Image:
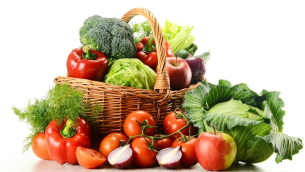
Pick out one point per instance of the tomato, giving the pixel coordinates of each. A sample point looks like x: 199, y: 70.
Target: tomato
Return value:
x: 111, y: 142
x: 188, y: 151
x: 131, y: 127
x: 164, y: 143
x: 143, y: 157
x: 89, y: 158
x: 39, y: 146
x: 171, y: 124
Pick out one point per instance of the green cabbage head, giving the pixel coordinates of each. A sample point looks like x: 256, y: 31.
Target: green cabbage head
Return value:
x: 255, y: 121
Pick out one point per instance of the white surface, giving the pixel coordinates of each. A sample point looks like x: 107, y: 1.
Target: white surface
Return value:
x: 260, y: 43
x: 28, y: 162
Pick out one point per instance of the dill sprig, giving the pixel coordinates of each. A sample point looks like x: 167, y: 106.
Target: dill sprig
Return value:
x: 36, y: 115
x: 61, y: 102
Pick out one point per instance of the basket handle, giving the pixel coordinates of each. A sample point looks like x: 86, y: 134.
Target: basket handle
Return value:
x: 162, y: 78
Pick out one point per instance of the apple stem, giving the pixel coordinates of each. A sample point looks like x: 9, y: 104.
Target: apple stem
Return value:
x: 214, y: 129
x: 176, y: 60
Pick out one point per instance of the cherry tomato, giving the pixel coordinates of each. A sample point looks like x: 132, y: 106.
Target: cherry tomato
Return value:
x: 111, y: 142
x: 171, y: 124
x: 89, y: 158
x: 39, y: 146
x: 164, y: 143
x: 188, y: 151
x: 131, y: 127
x: 143, y: 157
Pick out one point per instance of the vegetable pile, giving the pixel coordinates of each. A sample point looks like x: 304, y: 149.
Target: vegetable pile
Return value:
x: 217, y: 125
x: 110, y: 48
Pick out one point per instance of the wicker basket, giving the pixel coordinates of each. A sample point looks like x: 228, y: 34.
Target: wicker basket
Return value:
x: 119, y: 101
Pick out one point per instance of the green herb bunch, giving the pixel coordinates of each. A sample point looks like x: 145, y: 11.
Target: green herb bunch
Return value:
x: 61, y: 102
x: 140, y: 30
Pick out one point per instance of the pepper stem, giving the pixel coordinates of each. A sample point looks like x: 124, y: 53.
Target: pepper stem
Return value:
x: 87, y: 53
x: 68, y: 130
x: 149, y: 45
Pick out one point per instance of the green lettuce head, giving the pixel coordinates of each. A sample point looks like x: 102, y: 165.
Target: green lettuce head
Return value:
x: 131, y: 73
x: 254, y: 121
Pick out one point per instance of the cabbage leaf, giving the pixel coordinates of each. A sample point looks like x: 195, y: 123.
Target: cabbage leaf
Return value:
x: 255, y: 121
x: 131, y: 73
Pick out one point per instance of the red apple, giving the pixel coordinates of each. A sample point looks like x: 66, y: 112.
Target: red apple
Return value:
x: 215, y: 151
x: 179, y: 72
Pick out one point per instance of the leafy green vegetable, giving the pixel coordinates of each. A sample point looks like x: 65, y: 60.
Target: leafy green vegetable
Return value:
x: 183, y: 54
x: 255, y: 121
x: 178, y: 37
x: 61, y: 102
x: 140, y: 30
x: 131, y: 73
x: 205, y: 56
x: 108, y: 35
x: 192, y: 48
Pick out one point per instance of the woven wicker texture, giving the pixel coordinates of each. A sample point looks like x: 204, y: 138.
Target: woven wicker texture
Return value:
x: 118, y: 101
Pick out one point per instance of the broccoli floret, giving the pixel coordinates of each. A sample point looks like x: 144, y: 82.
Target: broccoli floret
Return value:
x: 191, y: 48
x: 111, y: 36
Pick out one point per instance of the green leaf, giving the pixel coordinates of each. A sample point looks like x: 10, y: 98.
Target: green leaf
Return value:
x: 223, y: 92
x: 285, y: 146
x: 258, y: 151
x: 231, y: 107
x: 276, y: 105
x: 205, y: 56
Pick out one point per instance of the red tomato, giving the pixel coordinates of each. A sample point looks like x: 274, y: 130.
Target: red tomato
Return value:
x: 89, y: 158
x: 111, y: 142
x: 188, y: 151
x: 164, y: 143
x: 132, y: 128
x: 143, y: 157
x: 171, y: 124
x: 39, y: 147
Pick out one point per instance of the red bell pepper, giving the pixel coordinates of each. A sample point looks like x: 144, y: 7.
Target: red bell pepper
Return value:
x: 147, y: 52
x: 62, y: 140
x: 90, y: 64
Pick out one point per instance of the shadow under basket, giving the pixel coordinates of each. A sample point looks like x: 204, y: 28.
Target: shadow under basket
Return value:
x: 119, y: 101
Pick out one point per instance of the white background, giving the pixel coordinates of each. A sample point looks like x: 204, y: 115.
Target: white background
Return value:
x: 260, y: 43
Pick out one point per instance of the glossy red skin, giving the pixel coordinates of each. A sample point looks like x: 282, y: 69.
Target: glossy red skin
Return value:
x: 164, y: 143
x: 180, y: 76
x: 142, y: 157
x: 151, y: 59
x: 111, y: 142
x: 172, y: 124
x: 211, y: 150
x: 63, y: 150
x: 39, y: 146
x: 87, y: 69
x: 132, y: 128
x: 188, y: 151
